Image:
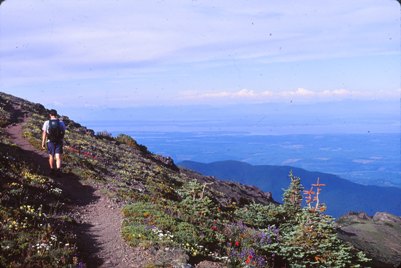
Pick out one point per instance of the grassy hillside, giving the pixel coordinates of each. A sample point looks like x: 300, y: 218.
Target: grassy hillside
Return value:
x: 165, y: 208
x: 35, y: 227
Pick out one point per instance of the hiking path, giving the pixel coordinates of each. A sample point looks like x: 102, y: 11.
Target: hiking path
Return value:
x: 98, y: 219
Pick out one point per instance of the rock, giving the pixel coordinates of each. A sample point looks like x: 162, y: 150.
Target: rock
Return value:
x: 226, y: 193
x: 363, y: 216
x: 166, y: 161
x: 170, y: 258
x: 386, y: 217
x: 210, y: 264
x: 379, y: 237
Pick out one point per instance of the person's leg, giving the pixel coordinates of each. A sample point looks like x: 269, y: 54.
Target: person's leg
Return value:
x: 51, y: 161
x: 59, y: 153
x: 58, y: 161
x: 50, y: 150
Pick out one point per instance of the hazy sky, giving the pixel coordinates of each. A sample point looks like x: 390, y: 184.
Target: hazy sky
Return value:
x: 141, y: 53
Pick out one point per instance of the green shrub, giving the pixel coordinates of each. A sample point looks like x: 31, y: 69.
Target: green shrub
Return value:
x: 260, y: 216
x: 186, y: 233
x: 105, y: 135
x: 126, y: 139
x: 147, y: 224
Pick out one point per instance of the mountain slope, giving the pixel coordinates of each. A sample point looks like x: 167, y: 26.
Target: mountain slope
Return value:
x: 102, y: 175
x: 340, y: 195
x: 168, y: 216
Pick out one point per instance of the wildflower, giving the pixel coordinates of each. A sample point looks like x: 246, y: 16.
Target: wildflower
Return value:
x: 237, y: 243
x: 317, y: 258
x: 249, y: 259
x: 56, y: 190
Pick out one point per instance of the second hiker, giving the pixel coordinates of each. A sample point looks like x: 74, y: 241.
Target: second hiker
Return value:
x: 53, y: 134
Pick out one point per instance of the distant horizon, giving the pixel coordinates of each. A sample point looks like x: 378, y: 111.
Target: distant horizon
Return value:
x: 148, y: 129
x: 294, y: 118
x: 263, y: 118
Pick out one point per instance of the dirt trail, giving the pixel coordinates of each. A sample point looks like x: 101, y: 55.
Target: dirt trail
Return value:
x: 99, y: 228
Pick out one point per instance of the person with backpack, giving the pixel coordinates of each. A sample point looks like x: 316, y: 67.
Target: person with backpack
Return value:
x: 53, y: 134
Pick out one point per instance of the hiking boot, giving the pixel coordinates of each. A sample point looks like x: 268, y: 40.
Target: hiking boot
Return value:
x: 52, y: 172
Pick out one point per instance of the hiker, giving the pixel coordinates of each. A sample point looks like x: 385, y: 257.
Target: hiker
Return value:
x: 53, y: 134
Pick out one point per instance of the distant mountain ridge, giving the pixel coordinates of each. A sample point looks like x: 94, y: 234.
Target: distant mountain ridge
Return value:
x: 340, y: 195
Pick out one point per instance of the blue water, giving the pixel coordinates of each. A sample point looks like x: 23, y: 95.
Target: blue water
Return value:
x: 369, y: 159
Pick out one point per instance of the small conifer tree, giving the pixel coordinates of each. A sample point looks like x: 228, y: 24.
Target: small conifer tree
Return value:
x: 292, y: 197
x: 309, y: 237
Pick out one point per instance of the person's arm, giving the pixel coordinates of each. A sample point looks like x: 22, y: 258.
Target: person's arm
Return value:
x: 44, y: 135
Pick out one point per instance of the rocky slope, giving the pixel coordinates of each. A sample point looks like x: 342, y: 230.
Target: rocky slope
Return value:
x: 379, y: 236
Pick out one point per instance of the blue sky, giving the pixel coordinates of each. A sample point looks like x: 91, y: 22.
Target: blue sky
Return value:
x: 108, y: 54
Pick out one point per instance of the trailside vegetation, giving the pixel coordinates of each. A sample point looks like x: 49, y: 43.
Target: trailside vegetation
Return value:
x: 34, y: 223
x: 255, y: 235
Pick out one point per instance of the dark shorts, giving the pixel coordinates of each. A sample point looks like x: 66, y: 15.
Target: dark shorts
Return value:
x: 54, y: 148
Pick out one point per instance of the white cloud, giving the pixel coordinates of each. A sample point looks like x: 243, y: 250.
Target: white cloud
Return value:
x: 297, y: 94
x: 336, y: 92
x: 243, y: 93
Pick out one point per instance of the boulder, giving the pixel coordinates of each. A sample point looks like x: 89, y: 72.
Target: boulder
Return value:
x: 384, y: 217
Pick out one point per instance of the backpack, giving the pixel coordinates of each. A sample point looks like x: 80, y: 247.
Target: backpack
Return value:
x: 56, y: 131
